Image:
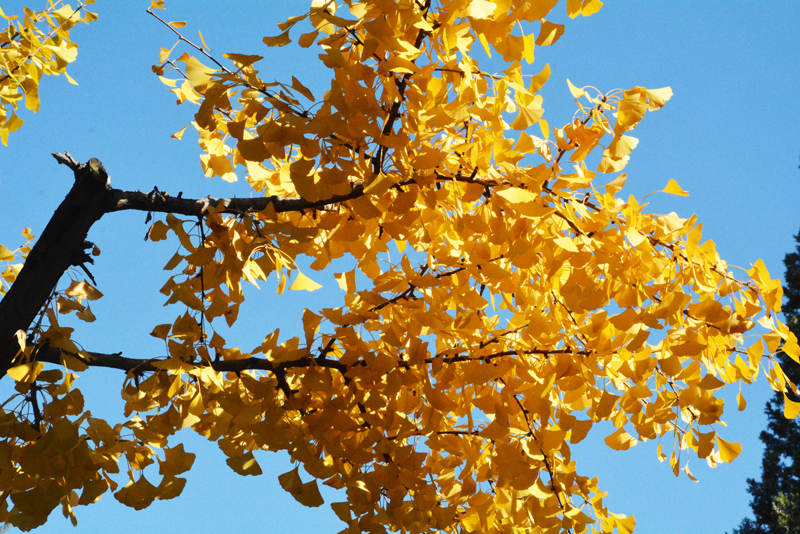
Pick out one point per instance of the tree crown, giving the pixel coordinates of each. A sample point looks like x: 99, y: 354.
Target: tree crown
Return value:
x: 528, y: 303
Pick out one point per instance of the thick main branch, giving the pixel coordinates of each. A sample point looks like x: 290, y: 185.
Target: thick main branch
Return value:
x: 59, y: 247
x: 163, y: 203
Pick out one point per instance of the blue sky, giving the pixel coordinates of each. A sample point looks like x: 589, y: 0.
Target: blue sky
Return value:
x: 727, y: 136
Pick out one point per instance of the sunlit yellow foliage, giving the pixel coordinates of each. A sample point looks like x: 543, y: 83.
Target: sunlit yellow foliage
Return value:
x: 11, y: 261
x: 30, y: 48
x: 503, y: 300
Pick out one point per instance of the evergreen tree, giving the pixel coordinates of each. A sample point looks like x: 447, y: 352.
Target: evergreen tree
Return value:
x: 776, y: 497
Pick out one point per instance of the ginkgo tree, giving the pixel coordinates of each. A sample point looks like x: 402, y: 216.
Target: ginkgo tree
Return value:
x: 529, y: 304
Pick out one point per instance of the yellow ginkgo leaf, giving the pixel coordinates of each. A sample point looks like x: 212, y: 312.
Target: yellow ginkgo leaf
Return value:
x: 741, y: 402
x: 245, y: 464
x: 179, y: 134
x: 279, y: 40
x: 86, y: 315
x: 566, y: 243
x: 658, y: 97
x: 347, y: 281
x: 429, y: 157
x: 6, y: 16
x: 516, y: 195
x: 26, y: 372
x: 82, y: 290
x: 550, y: 33
x: 614, y: 186
x: 307, y: 39
x: 138, y: 495
x: 576, y: 92
x: 585, y: 8
x: 304, y: 283
x: 309, y: 495
x: 689, y: 473
x: 481, y: 9
x: 170, y: 488
x: 622, y: 145
x: 528, y: 115
x: 728, y: 451
x: 674, y: 189
x: 306, y: 494
x: 379, y: 185
x: 302, y: 89
x: 176, y: 461
x: 790, y: 408
x: 620, y: 440
x: 623, y: 524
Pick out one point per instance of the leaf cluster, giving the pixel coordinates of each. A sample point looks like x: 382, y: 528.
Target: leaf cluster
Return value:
x: 37, y: 46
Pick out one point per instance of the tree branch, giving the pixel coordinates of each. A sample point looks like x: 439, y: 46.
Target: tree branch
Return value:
x: 163, y: 203
x: 138, y: 366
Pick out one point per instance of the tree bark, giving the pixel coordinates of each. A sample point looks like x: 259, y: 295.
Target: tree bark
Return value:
x: 163, y: 203
x: 58, y: 248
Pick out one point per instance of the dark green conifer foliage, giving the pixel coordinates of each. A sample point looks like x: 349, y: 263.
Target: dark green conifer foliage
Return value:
x: 776, y: 497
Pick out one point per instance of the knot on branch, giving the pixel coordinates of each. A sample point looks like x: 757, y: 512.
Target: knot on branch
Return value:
x: 91, y: 174
x: 156, y: 195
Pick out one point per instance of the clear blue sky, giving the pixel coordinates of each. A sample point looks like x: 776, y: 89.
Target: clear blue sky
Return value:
x: 727, y: 136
